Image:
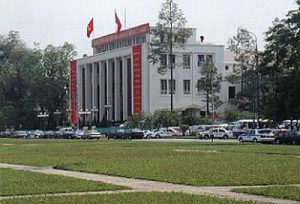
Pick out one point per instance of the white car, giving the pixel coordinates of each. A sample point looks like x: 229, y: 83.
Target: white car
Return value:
x: 218, y: 133
x: 258, y: 135
x: 163, y: 132
x: 94, y: 134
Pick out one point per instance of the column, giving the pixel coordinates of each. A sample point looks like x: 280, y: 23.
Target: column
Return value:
x: 125, y: 98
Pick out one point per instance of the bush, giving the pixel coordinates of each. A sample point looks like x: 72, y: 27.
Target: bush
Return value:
x: 184, y: 128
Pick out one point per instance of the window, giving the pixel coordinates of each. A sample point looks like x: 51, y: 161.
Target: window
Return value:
x: 198, y: 86
x: 172, y: 59
x: 172, y: 86
x: 209, y: 58
x: 163, y: 60
x: 200, y: 60
x: 163, y: 86
x: 231, y: 92
x: 186, y: 86
x: 186, y: 61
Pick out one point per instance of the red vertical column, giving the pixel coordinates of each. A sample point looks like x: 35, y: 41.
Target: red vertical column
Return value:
x: 137, y: 79
x: 73, y: 90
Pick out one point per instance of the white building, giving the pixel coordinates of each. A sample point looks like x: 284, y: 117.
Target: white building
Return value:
x: 118, y: 80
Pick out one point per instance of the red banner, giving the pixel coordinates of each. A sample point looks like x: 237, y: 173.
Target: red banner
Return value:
x: 137, y: 79
x: 73, y: 93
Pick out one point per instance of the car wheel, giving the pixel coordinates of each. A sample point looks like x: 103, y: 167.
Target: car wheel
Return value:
x: 225, y: 137
x: 276, y: 141
x: 206, y: 137
x: 241, y: 139
x: 293, y: 142
x: 254, y: 140
x: 157, y: 136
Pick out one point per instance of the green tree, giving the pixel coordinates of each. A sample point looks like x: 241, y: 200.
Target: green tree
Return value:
x: 282, y: 68
x: 210, y: 84
x: 190, y: 118
x: 166, y: 118
x: 53, y: 81
x: 169, y: 33
x: 17, y: 70
x: 243, y: 47
x: 231, y: 115
x: 32, y: 81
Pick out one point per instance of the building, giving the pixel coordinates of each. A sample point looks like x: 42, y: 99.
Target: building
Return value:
x: 118, y: 81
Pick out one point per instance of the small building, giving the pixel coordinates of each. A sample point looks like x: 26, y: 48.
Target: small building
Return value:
x: 118, y: 80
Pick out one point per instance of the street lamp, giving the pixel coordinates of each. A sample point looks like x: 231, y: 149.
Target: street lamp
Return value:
x: 256, y: 73
x: 86, y: 112
x: 43, y: 116
x: 57, y: 113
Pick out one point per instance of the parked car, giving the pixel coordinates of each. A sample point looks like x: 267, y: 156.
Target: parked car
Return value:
x: 163, y: 132
x: 67, y: 133
x: 49, y: 134
x: 292, y: 137
x: 35, y: 134
x: 79, y: 134
x: 218, y: 133
x: 93, y: 134
x: 147, y: 134
x: 258, y: 135
x: 116, y: 134
x: 134, y: 133
x: 19, y: 134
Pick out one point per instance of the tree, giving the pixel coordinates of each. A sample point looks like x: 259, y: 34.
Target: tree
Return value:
x: 243, y: 47
x: 169, y: 33
x: 210, y: 83
x: 17, y: 66
x: 231, y: 115
x: 32, y: 81
x: 165, y: 118
x: 282, y: 68
x: 52, y: 83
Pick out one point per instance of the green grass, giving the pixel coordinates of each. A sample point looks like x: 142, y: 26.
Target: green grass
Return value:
x: 13, y: 182
x: 202, y: 164
x: 285, y: 192
x: 125, y: 198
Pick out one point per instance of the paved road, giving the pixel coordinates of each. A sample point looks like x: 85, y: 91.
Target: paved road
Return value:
x: 138, y: 185
x: 190, y: 140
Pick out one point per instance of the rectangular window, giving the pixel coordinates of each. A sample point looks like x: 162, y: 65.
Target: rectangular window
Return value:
x: 163, y: 60
x: 209, y: 58
x: 198, y: 86
x: 172, y: 86
x: 200, y: 60
x: 186, y: 86
x: 186, y: 61
x: 231, y: 92
x: 163, y: 86
x: 172, y: 59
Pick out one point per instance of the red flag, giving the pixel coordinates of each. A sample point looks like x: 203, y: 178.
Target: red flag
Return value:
x: 90, y: 28
x: 118, y: 22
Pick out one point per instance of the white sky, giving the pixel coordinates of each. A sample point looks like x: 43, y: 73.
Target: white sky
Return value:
x: 59, y: 21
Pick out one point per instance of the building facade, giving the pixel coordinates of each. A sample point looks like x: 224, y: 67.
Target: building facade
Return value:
x: 118, y: 80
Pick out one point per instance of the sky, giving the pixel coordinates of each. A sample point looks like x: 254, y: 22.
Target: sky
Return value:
x: 58, y: 21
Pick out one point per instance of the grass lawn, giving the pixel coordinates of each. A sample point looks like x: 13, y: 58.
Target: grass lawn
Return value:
x: 202, y: 164
x: 125, y: 198
x: 285, y: 192
x: 13, y: 182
